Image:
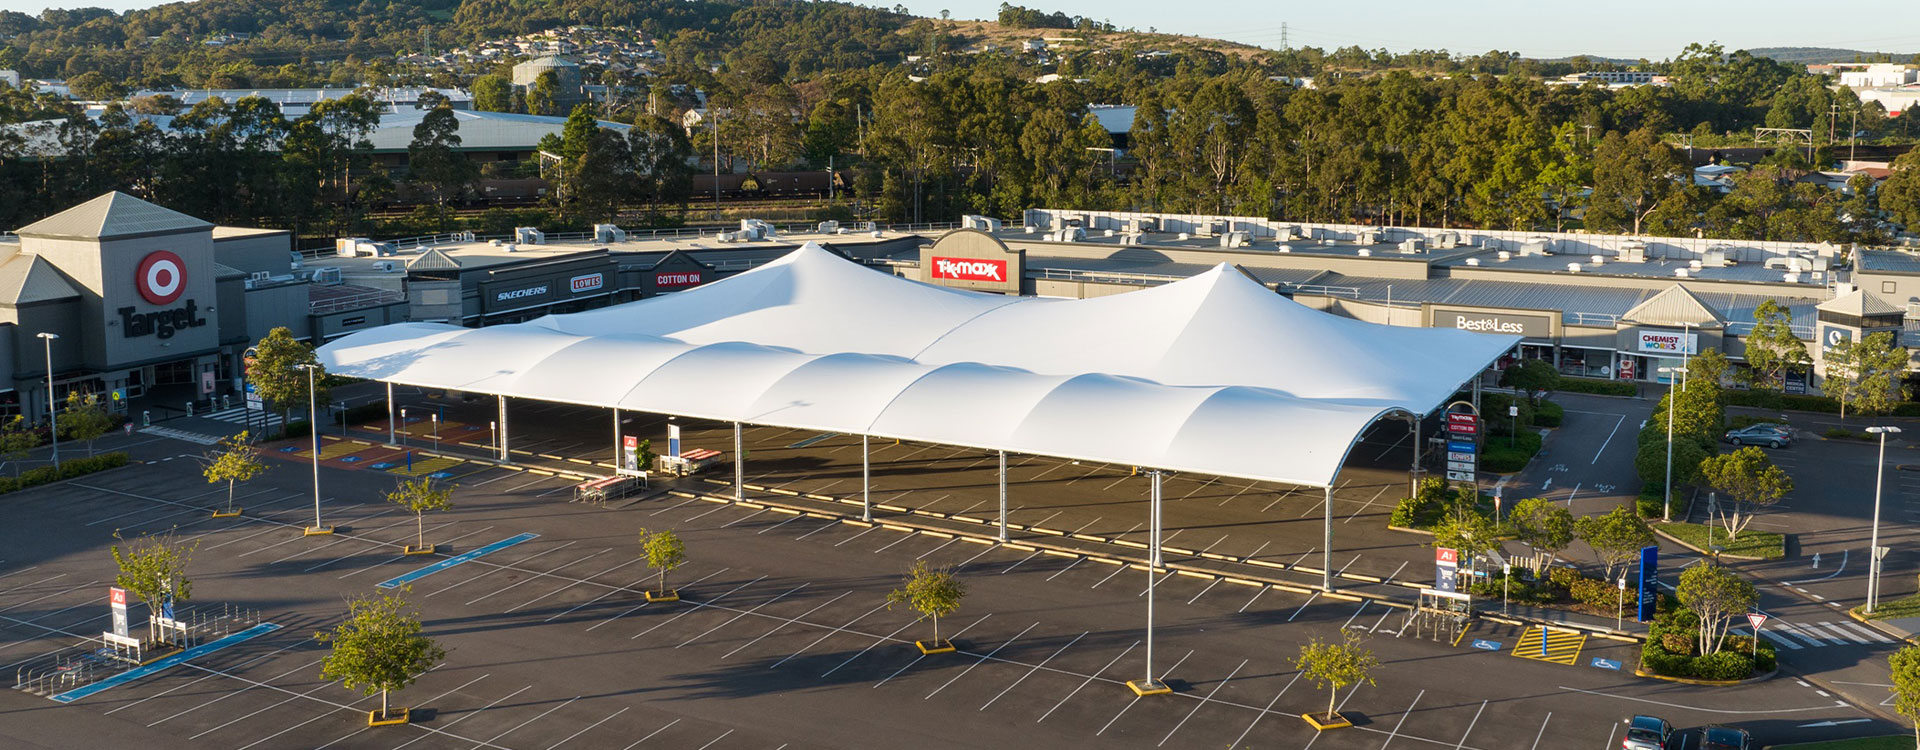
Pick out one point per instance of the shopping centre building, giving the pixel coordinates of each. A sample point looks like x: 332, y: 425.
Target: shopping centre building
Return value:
x: 144, y: 298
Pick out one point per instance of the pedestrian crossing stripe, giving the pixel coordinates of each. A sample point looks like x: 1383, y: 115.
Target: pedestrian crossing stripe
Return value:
x: 1562, y: 646
x: 1817, y: 635
x: 238, y: 415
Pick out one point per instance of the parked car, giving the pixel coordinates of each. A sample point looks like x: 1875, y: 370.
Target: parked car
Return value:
x: 1647, y: 733
x: 1764, y: 433
x: 1725, y: 738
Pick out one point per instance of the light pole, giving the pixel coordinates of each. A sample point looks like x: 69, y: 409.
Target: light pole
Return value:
x: 53, y: 425
x: 1673, y: 394
x: 436, y: 431
x: 314, y: 431
x: 1873, y: 547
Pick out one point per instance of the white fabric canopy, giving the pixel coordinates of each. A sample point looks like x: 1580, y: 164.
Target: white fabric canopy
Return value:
x: 1213, y: 374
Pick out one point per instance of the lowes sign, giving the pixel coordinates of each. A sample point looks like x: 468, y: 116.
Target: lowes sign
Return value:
x: 587, y: 283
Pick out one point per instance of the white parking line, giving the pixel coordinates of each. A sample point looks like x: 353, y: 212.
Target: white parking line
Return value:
x: 988, y: 655
x: 1136, y: 699
x: 855, y: 536
x: 1203, y: 702
x: 829, y: 634
x: 656, y: 626
x: 1076, y: 561
x: 1476, y: 720
x: 1035, y: 553
x: 756, y: 608
x: 1269, y: 709
x: 776, y: 628
x: 723, y: 735
x: 203, y: 678
x: 636, y: 743
x: 1036, y: 668
x: 488, y: 569
x: 575, y: 583
x: 1256, y: 597
x: 636, y: 607
x: 1543, y: 729
x: 1409, y: 712
x: 541, y: 715
x: 1303, y: 606
x: 1088, y: 681
x: 511, y: 586
x: 916, y: 660
x: 224, y: 696
x: 570, y: 737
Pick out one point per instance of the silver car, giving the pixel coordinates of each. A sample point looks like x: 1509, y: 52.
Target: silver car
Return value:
x: 1647, y: 733
x: 1765, y: 433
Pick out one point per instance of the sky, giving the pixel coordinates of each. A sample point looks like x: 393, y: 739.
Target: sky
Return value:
x: 1622, y: 28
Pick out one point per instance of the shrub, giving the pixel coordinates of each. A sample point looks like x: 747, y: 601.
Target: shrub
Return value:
x: 1842, y: 433
x: 1499, y: 457
x: 1600, y: 594
x: 1599, y: 386
x: 69, y: 469
x: 1562, y: 576
x: 1676, y: 642
x: 1723, y: 665
x: 1658, y: 660
x: 294, y: 429
x: 1650, y: 503
x: 1407, y: 513
x: 1548, y: 414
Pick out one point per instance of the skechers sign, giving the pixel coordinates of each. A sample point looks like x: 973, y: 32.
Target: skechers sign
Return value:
x: 160, y: 278
x: 1482, y: 322
x: 520, y: 294
x: 970, y: 269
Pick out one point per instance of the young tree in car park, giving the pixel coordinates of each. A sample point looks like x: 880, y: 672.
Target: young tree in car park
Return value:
x: 663, y: 551
x: 1716, y: 595
x: 276, y: 373
x: 154, y: 569
x: 86, y: 419
x: 1616, y: 538
x: 1773, y: 350
x: 934, y: 593
x: 378, y: 649
x: 232, y: 461
x: 1542, y: 524
x: 1335, y: 665
x: 1750, y: 480
x: 419, y: 496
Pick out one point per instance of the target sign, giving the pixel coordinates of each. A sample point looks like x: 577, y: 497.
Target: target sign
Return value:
x: 161, y: 277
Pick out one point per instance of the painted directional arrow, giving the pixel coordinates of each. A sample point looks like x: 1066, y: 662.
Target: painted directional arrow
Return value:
x: 1832, y: 723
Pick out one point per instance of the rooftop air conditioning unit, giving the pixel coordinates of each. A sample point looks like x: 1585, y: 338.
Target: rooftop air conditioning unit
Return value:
x: 1680, y: 272
x: 1504, y: 255
x: 608, y: 234
x: 829, y: 227
x: 386, y: 266
x: 1633, y: 251
x: 1573, y: 268
x: 1366, y: 237
x: 1366, y: 253
x: 1446, y: 240
x: 724, y: 237
x: 1067, y: 234
x: 529, y: 236
x: 1285, y: 232
x: 1716, y: 256
x: 1473, y: 261
x: 328, y: 275
x: 1537, y: 246
x: 1211, y: 227
x: 348, y: 247
x: 1792, y: 278
x: 1236, y: 239
x: 1415, y: 245
x: 1286, y: 248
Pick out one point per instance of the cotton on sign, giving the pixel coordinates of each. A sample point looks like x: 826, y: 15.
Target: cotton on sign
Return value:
x: 970, y: 270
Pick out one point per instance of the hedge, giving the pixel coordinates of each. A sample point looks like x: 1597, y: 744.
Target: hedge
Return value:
x: 1674, y: 628
x: 294, y: 429
x: 1497, y: 457
x: 1549, y: 414
x: 376, y: 410
x: 1796, y: 402
x: 1603, y: 387
x: 68, y: 469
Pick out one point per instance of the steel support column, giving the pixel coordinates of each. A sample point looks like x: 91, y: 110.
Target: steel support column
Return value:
x: 506, y: 456
x: 739, y: 467
x: 866, y: 482
x: 1003, y: 496
x: 619, y: 451
x: 1148, y: 684
x: 392, y: 425
x: 1326, y: 541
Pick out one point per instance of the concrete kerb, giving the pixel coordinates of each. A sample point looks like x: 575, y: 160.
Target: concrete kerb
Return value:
x: 1883, y: 627
x: 1638, y: 672
x: 1041, y: 545
x: 1723, y: 555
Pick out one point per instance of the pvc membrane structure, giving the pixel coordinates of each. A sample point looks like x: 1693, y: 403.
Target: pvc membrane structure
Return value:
x: 1213, y: 374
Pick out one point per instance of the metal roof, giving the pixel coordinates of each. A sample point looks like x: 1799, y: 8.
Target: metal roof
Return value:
x: 1676, y: 305
x: 26, y: 279
x: 1890, y: 261
x: 1861, y: 303
x: 110, y: 216
x: 478, y: 131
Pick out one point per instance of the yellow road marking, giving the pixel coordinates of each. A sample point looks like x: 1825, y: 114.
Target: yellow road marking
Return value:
x: 1562, y: 646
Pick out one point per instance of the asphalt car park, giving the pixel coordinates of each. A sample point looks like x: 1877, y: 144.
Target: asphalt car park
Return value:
x: 783, y: 639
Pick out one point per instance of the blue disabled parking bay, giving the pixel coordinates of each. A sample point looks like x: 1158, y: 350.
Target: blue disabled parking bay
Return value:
x: 1485, y: 645
x: 381, y: 465
x: 1606, y: 663
x: 468, y: 556
x: 192, y: 653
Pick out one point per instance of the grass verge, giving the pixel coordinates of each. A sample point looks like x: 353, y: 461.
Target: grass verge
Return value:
x: 1750, y: 543
x: 1907, y: 606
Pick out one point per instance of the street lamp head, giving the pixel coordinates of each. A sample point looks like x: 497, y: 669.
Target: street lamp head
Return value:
x: 1681, y: 370
x: 47, y: 336
x: 1884, y: 430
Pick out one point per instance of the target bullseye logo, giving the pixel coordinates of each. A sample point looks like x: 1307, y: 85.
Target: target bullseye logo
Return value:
x: 161, y: 277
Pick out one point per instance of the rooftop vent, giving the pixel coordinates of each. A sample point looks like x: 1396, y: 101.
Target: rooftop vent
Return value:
x: 1366, y: 237
x: 829, y: 227
x: 1633, y: 251
x: 1415, y: 245
x: 606, y: 234
x: 1573, y: 268
x: 1792, y: 278
x: 529, y: 236
x: 327, y: 275
x: 1680, y: 272
x: 1366, y: 253
x: 1473, y: 261
x: 1598, y: 259
x: 1537, y: 246
x: 1236, y: 239
x: 982, y: 223
x: 1694, y: 264
x: 1504, y: 255
x: 1286, y: 248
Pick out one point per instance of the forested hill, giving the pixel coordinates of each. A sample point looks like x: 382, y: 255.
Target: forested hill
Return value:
x: 1829, y: 55
x: 62, y: 43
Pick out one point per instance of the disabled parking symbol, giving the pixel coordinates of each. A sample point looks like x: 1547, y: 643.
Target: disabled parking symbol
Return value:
x: 350, y: 459
x: 1486, y: 645
x: 289, y: 448
x: 440, y: 475
x: 381, y: 465
x: 1606, y: 663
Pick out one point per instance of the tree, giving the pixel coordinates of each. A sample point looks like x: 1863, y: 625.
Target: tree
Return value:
x: 932, y: 592
x: 232, y: 461
x: 378, y: 649
x: 578, y: 131
x: 1466, y: 529
x: 1773, y: 348
x: 86, y: 419
x: 1616, y: 538
x: 1905, y: 664
x: 492, y: 93
x: 1336, y: 665
x: 419, y: 496
x: 1650, y: 462
x: 1716, y: 595
x: 1750, y: 480
x: 434, y: 161
x: 17, y: 441
x: 154, y: 569
x: 1632, y: 174
x: 1900, y: 193
x: 1531, y: 376
x: 277, y: 375
x: 1542, y: 524
x: 663, y: 551
x: 543, y: 95
x: 1866, y: 374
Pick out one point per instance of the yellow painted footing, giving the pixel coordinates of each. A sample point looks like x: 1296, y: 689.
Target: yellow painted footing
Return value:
x: 1145, y: 688
x: 393, y: 718
x: 227, y: 513
x: 317, y: 531
x: 156, y: 652
x: 670, y: 596
x: 412, y: 550
x: 937, y: 647
x: 1336, y: 722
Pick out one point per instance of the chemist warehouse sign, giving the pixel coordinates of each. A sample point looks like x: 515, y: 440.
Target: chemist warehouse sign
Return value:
x: 1670, y: 343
